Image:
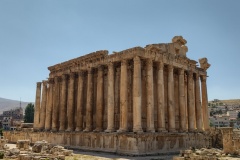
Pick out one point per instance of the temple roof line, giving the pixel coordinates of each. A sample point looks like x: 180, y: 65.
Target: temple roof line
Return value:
x: 170, y: 53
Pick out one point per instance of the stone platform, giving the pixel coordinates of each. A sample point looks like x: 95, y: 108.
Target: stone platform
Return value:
x: 120, y: 143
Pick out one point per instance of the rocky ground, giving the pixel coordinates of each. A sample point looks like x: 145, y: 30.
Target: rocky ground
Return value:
x: 86, y: 155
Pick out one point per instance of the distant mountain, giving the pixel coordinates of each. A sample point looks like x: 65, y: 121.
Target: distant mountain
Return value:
x: 7, y: 104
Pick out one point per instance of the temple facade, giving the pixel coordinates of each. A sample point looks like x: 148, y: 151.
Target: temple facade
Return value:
x: 137, y: 101
x: 151, y: 89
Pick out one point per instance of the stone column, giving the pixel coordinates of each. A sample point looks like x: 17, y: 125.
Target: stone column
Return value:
x: 56, y: 97
x: 137, y: 96
x: 160, y: 90
x: 182, y: 105
x: 43, y: 106
x: 79, y: 123
x: 205, y: 102
x: 99, y: 109
x: 123, y: 98
x: 110, y: 105
x: 198, y: 104
x: 48, y: 121
x: 37, y: 106
x: 89, y: 102
x: 171, y: 108
x: 150, y: 100
x: 63, y: 103
x: 191, y: 108
x: 70, y: 102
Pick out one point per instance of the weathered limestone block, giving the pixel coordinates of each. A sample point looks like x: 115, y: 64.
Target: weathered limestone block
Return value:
x: 23, y: 144
x: 27, y: 125
x: 39, y: 146
x: 3, y: 143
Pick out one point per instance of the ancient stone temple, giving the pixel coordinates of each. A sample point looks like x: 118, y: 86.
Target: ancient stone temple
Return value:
x: 136, y: 101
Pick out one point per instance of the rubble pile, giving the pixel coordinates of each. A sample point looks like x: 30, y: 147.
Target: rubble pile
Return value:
x: 39, y: 151
x: 203, y: 154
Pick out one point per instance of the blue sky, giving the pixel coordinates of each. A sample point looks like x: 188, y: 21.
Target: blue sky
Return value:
x: 40, y: 33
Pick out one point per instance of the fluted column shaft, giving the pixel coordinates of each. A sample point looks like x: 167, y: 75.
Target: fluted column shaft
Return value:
x: 79, y: 123
x: 198, y: 104
x: 37, y: 106
x: 137, y: 96
x: 110, y: 105
x: 99, y: 110
x: 55, y: 116
x: 150, y: 101
x: 171, y: 107
x: 48, y: 122
x: 63, y: 103
x: 89, y: 102
x: 70, y: 102
x: 123, y: 98
x: 191, y: 106
x: 205, y: 102
x: 43, y: 106
x: 182, y: 104
x: 161, y: 102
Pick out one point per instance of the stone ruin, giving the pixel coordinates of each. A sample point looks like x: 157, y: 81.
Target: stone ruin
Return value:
x: 39, y: 151
x: 138, y: 101
x: 227, y: 147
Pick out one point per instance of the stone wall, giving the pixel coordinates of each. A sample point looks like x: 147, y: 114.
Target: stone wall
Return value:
x: 121, y: 143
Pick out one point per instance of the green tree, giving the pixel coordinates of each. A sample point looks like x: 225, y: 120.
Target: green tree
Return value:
x: 29, y: 113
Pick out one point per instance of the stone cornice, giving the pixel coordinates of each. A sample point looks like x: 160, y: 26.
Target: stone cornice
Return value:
x: 167, y: 53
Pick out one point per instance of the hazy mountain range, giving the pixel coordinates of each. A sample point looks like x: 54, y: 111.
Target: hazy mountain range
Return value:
x: 7, y: 104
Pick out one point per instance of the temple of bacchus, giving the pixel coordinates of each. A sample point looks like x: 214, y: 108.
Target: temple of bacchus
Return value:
x: 137, y: 101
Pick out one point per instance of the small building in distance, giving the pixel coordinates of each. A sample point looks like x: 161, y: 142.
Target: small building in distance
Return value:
x: 220, y: 121
x: 11, y: 118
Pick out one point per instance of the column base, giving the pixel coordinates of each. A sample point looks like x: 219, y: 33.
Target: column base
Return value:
x: 183, y: 130
x: 137, y: 130
x: 54, y: 130
x: 163, y: 130
x: 192, y: 130
x: 97, y: 130
x: 151, y: 130
x: 69, y: 130
x: 121, y: 130
x: 109, y: 130
x: 47, y: 129
x: 61, y: 130
x: 78, y: 129
x: 172, y: 130
x: 87, y: 130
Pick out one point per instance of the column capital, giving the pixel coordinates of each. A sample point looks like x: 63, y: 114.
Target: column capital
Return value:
x: 137, y: 60
x: 203, y: 78
x: 124, y: 62
x: 64, y: 77
x: 80, y: 73
x: 57, y: 79
x: 72, y: 75
x: 170, y: 67
x: 110, y: 64
x: 160, y: 65
x: 181, y: 71
x: 149, y: 62
x: 197, y: 75
x: 44, y: 82
x: 39, y: 84
x: 90, y: 70
x: 190, y: 74
x: 50, y: 80
x: 100, y: 67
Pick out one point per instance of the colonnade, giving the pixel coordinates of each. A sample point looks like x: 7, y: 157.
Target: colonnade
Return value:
x: 59, y: 106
